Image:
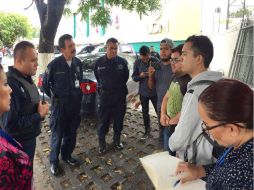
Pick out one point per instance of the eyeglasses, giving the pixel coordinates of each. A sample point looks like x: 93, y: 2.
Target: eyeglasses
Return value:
x: 175, y: 60
x: 207, y: 128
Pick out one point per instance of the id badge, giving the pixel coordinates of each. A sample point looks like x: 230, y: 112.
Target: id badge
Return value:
x: 76, y: 83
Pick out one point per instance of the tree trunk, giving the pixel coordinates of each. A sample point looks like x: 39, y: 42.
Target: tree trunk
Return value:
x: 50, y: 15
x: 44, y: 59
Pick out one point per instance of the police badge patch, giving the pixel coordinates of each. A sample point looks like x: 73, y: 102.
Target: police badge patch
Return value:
x: 77, y: 69
x: 120, y: 67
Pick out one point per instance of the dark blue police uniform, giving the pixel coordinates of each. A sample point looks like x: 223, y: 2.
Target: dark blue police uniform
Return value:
x: 61, y: 83
x: 112, y: 76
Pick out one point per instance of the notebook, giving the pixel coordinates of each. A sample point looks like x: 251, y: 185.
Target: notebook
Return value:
x: 160, y: 168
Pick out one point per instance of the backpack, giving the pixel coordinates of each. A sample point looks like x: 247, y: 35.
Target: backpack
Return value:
x: 217, y: 149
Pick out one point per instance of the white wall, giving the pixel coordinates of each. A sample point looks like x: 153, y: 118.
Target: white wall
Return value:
x: 224, y: 46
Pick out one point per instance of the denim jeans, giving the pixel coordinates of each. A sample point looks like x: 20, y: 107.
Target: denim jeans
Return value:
x: 168, y: 131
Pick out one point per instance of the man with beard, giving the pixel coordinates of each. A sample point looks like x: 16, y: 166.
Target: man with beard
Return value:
x: 172, y: 101
x: 61, y: 82
x: 160, y: 77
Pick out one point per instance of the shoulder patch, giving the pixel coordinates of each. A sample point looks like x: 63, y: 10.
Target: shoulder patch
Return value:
x: 120, y: 66
x: 77, y: 69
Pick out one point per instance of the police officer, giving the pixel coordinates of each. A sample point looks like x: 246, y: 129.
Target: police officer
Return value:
x: 62, y: 83
x: 112, y: 73
x: 23, y: 121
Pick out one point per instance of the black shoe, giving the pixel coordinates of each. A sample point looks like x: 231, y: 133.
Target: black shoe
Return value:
x: 54, y: 169
x: 118, y: 146
x: 71, y: 161
x: 102, y: 150
x: 145, y: 136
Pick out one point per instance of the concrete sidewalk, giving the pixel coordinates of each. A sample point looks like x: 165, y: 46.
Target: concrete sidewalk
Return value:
x: 114, y: 170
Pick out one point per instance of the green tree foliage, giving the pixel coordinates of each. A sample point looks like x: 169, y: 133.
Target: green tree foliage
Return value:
x: 35, y: 33
x: 100, y: 14
x: 13, y: 26
x: 98, y: 11
x: 239, y: 13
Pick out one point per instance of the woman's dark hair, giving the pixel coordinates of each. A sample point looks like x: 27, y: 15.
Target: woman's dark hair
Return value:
x: 229, y: 101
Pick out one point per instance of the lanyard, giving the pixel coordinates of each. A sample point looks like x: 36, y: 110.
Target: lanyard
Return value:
x: 221, y: 160
x: 10, y: 140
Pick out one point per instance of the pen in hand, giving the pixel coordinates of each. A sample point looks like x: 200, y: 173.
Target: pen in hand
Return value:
x: 178, y: 178
x: 175, y: 184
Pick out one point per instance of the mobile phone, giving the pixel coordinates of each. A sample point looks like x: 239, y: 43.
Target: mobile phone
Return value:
x: 155, y: 65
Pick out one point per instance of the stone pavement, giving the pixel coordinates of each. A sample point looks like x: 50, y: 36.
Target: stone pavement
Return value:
x: 114, y: 170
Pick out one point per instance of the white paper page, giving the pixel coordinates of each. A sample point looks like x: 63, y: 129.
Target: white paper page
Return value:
x: 161, y: 167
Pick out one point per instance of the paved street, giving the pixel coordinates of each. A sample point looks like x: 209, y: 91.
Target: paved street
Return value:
x: 115, y: 170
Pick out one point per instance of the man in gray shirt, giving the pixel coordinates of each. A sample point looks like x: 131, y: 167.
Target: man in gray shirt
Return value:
x: 159, y: 78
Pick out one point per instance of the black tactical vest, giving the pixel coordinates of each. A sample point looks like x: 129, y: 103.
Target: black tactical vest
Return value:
x: 30, y: 105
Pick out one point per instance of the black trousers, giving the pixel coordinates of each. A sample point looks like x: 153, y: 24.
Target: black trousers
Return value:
x: 161, y: 128
x: 145, y: 110
x: 64, y: 122
x: 112, y: 106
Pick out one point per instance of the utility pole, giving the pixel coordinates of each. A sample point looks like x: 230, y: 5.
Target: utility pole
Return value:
x: 218, y: 10
x: 244, y: 7
x: 227, y: 15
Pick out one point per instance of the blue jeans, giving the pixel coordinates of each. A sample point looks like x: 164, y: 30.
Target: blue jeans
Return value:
x: 168, y: 131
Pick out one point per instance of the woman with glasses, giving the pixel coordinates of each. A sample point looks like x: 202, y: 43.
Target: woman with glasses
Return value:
x: 15, y: 165
x: 226, y: 109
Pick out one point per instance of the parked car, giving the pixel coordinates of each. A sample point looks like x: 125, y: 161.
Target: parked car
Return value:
x: 88, y: 48
x: 89, y: 84
x: 122, y: 48
x: 57, y: 51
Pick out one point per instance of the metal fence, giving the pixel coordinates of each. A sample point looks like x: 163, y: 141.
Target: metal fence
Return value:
x: 242, y: 62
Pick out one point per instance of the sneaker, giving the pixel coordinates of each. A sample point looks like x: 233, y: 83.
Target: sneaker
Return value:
x: 145, y: 136
x: 71, y: 161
